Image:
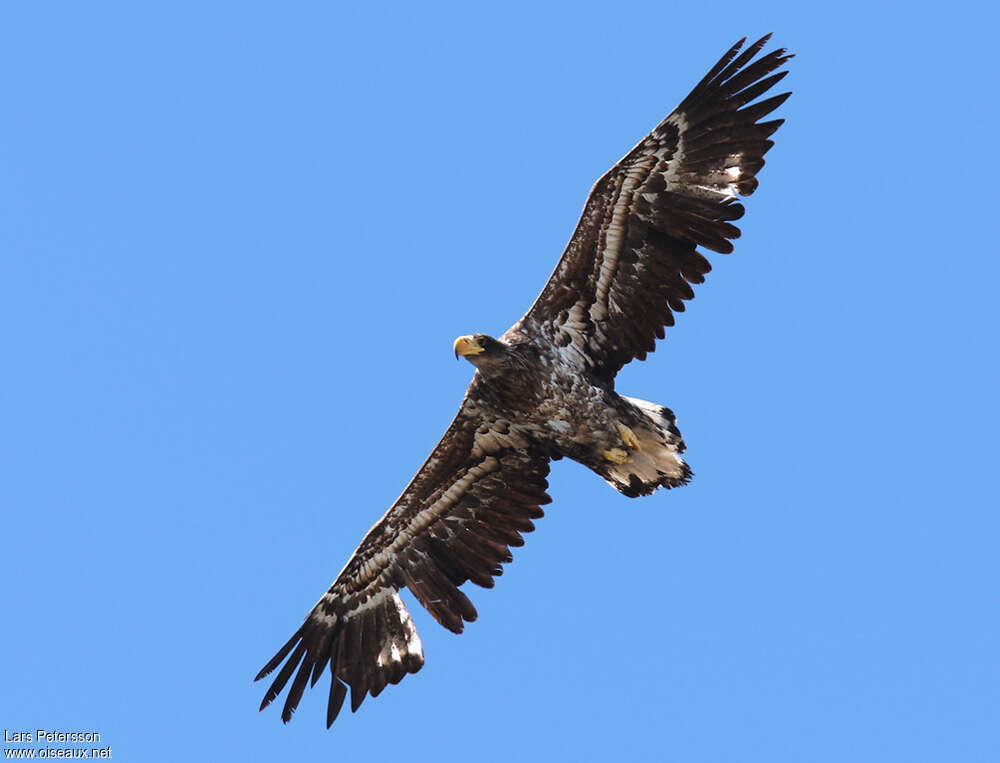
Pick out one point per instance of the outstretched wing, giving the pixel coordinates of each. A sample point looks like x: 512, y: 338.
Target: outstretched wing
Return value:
x: 634, y: 254
x: 480, y: 488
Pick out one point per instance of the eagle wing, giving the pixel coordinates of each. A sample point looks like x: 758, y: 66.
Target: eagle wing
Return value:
x: 634, y: 254
x: 479, y: 489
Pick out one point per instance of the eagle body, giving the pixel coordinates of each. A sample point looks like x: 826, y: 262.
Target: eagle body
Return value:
x: 572, y: 413
x: 546, y: 390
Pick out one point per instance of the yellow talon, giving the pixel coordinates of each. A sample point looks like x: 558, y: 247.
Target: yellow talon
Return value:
x: 628, y: 437
x: 617, y: 455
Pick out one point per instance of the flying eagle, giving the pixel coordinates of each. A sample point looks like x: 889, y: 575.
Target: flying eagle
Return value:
x: 545, y: 389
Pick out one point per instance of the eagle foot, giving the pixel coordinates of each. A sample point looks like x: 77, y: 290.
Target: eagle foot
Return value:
x: 628, y: 437
x: 617, y: 455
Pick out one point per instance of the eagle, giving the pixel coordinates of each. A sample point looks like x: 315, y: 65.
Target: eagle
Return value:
x: 545, y: 389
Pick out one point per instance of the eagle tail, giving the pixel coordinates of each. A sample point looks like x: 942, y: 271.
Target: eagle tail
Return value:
x: 656, y: 462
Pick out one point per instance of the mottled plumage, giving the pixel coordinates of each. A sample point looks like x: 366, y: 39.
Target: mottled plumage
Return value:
x: 545, y: 390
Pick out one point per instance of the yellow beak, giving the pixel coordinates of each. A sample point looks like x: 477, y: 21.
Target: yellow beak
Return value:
x: 467, y: 345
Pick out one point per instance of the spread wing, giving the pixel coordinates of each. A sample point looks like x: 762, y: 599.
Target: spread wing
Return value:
x: 480, y: 488
x: 634, y: 254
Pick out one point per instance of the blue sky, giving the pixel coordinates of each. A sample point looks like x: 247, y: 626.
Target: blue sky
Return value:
x: 239, y: 241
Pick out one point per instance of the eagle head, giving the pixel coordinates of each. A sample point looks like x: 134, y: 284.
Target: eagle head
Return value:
x: 480, y: 349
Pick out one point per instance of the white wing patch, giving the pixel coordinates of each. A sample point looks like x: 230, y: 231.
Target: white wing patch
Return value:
x: 560, y: 426
x: 390, y: 650
x: 413, y: 645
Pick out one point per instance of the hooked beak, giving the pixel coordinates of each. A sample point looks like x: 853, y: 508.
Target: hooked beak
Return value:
x: 467, y: 345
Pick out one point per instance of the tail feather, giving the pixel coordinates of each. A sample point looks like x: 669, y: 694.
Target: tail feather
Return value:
x: 657, y: 462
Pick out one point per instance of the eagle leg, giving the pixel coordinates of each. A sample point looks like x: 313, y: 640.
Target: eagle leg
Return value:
x: 628, y: 437
x: 617, y: 455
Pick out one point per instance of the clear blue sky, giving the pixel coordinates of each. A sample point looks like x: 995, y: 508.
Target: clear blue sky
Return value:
x: 238, y: 242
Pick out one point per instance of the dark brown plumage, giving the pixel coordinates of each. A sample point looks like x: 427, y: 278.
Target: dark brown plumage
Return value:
x: 545, y: 390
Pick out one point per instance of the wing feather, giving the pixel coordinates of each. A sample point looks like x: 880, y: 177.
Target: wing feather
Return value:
x: 336, y: 700
x: 635, y: 252
x: 455, y: 522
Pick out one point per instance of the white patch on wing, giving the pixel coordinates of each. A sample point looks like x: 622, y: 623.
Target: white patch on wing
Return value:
x: 324, y: 619
x: 389, y: 653
x: 734, y: 172
x: 392, y: 651
x: 413, y: 645
x: 368, y: 603
x: 562, y: 427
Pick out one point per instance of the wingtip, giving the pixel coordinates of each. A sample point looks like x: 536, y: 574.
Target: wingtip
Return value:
x: 337, y: 693
x: 781, y: 54
x: 357, y: 698
x: 282, y: 653
x: 263, y: 672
